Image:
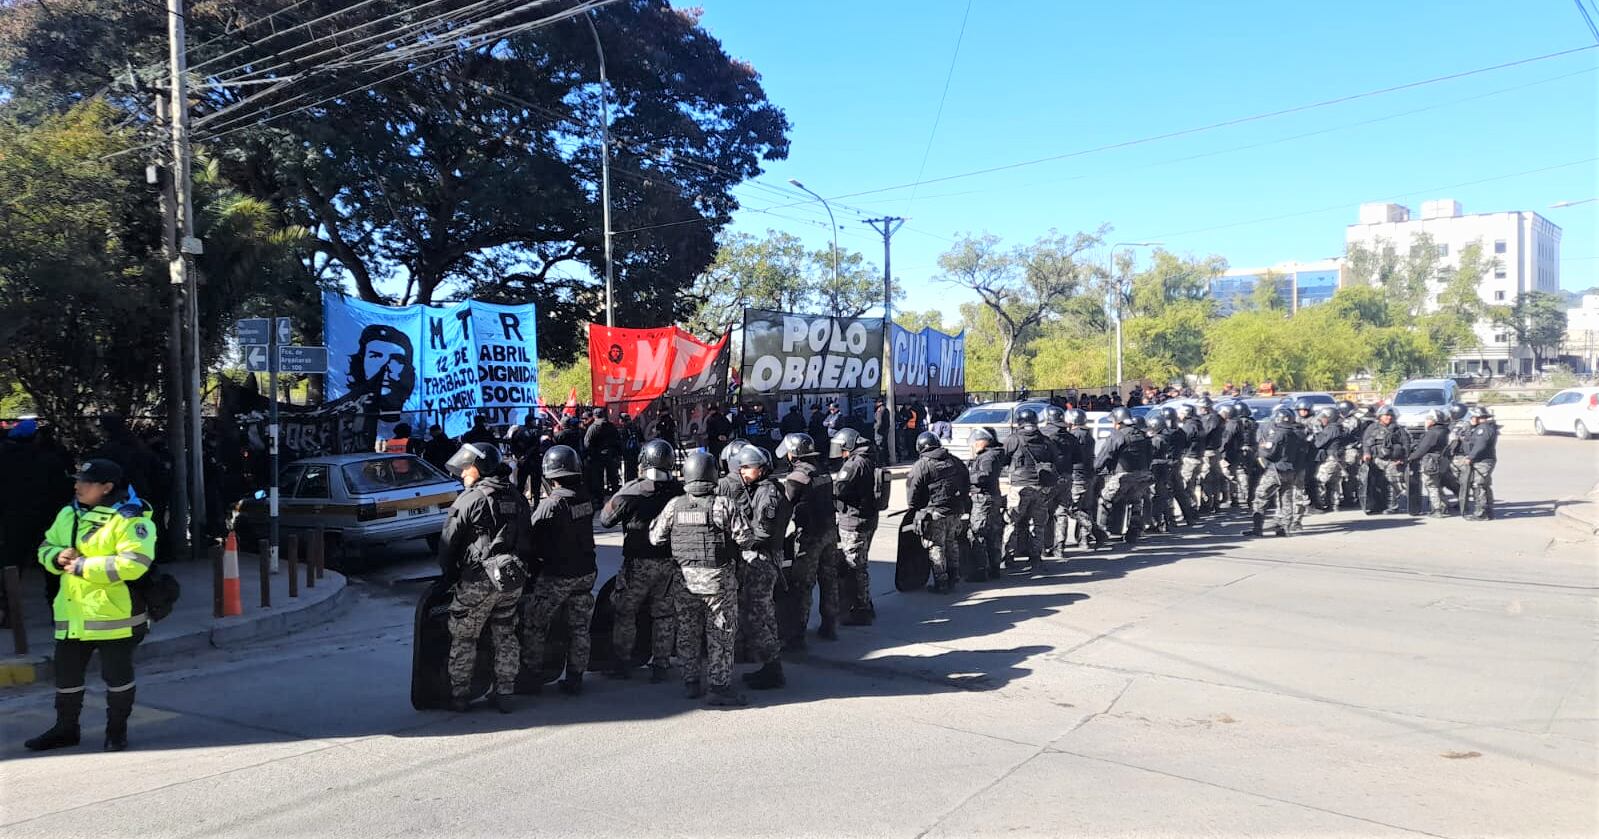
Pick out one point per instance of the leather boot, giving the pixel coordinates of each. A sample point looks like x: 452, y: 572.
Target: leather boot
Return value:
x: 768, y: 677
x: 65, y: 732
x: 572, y: 685
x: 1257, y: 525
x: 693, y: 689
x: 826, y: 631
x: 118, y: 707
x: 723, y: 696
x: 658, y: 673
x: 858, y: 616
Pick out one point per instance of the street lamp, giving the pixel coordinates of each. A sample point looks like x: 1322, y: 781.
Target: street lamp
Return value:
x: 1559, y: 204
x: 1118, y: 290
x: 605, y: 172
x: 830, y: 221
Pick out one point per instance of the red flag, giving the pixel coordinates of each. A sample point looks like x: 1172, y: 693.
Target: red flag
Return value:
x: 571, y: 403
x: 636, y: 366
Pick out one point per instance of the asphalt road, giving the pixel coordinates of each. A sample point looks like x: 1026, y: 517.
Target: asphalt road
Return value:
x: 1375, y: 676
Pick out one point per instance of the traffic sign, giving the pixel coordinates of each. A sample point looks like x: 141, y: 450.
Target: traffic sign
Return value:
x: 303, y: 359
x: 254, y: 331
x: 255, y: 357
x: 284, y: 336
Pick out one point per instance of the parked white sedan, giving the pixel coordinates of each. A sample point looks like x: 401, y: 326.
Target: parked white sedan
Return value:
x: 1571, y: 411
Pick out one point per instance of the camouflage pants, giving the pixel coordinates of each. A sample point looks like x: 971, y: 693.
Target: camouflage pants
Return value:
x: 1479, y: 497
x: 940, y: 534
x: 1192, y: 473
x: 1353, y: 465
x: 549, y: 595
x: 1432, y: 484
x: 1124, y: 488
x: 1081, y: 508
x: 1028, y: 522
x: 1455, y: 473
x: 853, y: 546
x: 1227, y: 484
x: 1392, y: 479
x: 709, y: 621
x: 1211, y: 480
x: 1245, y: 478
x: 1330, y: 477
x: 813, y: 558
x: 758, y: 616
x: 652, y: 581
x: 1157, y: 512
x: 477, y: 602
x: 988, y: 528
x: 1276, y: 488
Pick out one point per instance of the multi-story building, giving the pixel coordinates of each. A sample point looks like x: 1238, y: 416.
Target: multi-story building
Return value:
x: 1524, y: 247
x: 1299, y: 284
x: 1582, y: 334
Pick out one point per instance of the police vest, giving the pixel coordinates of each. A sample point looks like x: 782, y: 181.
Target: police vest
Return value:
x: 696, y: 543
x: 1135, y: 453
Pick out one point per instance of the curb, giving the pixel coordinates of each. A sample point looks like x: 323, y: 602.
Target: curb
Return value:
x: 18, y: 671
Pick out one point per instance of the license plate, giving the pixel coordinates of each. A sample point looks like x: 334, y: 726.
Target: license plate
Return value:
x: 419, y: 511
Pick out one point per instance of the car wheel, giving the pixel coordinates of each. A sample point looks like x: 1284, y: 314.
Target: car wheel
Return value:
x: 1537, y: 427
x: 1582, y: 431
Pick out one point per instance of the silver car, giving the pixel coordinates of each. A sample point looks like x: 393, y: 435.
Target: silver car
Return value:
x: 996, y: 415
x: 361, y: 500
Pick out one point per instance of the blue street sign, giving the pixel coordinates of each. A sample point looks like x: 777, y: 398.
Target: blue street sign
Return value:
x: 254, y: 331
x: 255, y: 358
x: 303, y: 359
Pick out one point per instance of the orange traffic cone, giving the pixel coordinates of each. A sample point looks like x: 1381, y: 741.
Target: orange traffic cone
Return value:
x: 232, y: 602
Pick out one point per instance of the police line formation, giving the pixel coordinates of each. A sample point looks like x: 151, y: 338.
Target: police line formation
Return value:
x: 714, y: 551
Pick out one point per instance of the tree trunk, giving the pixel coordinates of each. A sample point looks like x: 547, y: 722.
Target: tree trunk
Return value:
x: 1004, y: 362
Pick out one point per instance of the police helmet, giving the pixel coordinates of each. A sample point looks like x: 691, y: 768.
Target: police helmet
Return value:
x: 1120, y: 416
x: 657, y: 454
x: 1026, y: 416
x: 1076, y: 416
x: 1387, y: 411
x: 1438, y: 416
x: 1345, y: 408
x: 1480, y: 412
x: 570, y: 422
x: 1457, y: 411
x: 1055, y: 413
x: 1186, y: 411
x: 1139, y: 423
x: 732, y: 448
x: 485, y: 456
x: 1226, y: 410
x: 1328, y: 413
x: 1282, y: 415
x: 1205, y: 404
x: 982, y: 434
x: 798, y: 444
x: 561, y: 462
x: 751, y: 456
x: 1303, y: 403
x: 1155, y: 422
x: 699, y: 466
x: 844, y: 440
x: 927, y: 441
x: 1169, y: 414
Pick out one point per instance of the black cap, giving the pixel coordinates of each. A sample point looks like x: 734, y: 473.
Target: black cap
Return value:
x: 98, y: 471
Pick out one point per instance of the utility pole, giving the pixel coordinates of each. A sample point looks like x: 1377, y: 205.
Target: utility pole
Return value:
x: 605, y: 174
x: 182, y: 276
x: 887, y: 226
x: 178, y: 506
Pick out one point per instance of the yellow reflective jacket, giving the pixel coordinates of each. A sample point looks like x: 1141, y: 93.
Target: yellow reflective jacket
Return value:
x: 117, y: 545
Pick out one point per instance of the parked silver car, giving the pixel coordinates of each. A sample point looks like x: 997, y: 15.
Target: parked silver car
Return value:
x: 361, y: 500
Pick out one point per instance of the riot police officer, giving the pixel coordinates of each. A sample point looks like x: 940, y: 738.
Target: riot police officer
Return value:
x: 809, y: 489
x: 1210, y: 423
x: 766, y: 512
x: 1353, y: 427
x: 1305, y: 417
x: 1427, y: 457
x: 1230, y: 447
x: 1162, y: 459
x: 1033, y: 480
x: 730, y: 484
x: 1384, y: 448
x: 855, y: 504
x: 1454, y: 477
x: 988, y: 504
x: 937, y: 490
x: 1360, y: 473
x: 1193, y: 468
x: 1481, y: 455
x: 1280, y: 453
x: 1124, y: 462
x: 563, y: 547
x: 648, y: 575
x: 1083, y: 505
x: 1055, y: 430
x: 1328, y: 442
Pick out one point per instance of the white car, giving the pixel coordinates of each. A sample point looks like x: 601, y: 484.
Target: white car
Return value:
x: 1571, y: 411
x: 995, y: 415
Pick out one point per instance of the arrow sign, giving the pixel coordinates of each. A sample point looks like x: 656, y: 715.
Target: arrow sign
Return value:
x: 255, y: 357
x: 284, y: 336
x: 254, y: 331
x: 303, y: 359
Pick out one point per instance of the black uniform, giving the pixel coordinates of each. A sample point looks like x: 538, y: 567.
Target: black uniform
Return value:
x: 649, y: 574
x: 1084, y: 485
x: 489, y: 521
x: 1328, y: 443
x: 563, y: 544
x: 1281, y: 449
x: 1034, y: 479
x: 717, y: 432
x: 1481, y: 451
x: 988, y: 511
x: 602, y: 447
x: 809, y: 489
x: 1428, y: 459
x: 1059, y: 513
x: 1124, y: 460
x: 938, y: 489
x: 855, y: 510
x: 1163, y: 459
x: 1248, y: 474
x: 1387, y: 446
x: 766, y: 510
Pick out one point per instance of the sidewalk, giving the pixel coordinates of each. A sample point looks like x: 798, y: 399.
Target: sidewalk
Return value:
x: 1582, y: 513
x: 190, y: 627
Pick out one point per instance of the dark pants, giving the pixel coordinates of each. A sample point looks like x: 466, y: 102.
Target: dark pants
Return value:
x: 72, y: 662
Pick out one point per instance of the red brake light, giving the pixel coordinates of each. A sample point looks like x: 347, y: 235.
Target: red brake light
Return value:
x: 1593, y: 401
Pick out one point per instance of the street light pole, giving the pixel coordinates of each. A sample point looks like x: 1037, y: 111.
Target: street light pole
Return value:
x: 1117, y: 288
x: 831, y: 223
x: 605, y: 174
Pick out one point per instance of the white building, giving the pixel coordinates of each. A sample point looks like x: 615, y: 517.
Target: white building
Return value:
x: 1582, y: 333
x: 1524, y: 245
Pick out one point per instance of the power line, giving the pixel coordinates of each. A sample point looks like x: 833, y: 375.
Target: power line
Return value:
x: 1222, y: 124
x: 938, y: 115
x: 1588, y: 19
x: 1346, y: 205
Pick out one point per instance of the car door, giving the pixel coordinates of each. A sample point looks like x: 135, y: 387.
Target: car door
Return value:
x: 1558, y: 412
x: 303, y: 508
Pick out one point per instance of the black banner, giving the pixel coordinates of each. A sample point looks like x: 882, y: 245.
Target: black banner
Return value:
x: 786, y: 353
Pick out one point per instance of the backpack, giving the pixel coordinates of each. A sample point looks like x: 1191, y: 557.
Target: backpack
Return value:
x: 159, y: 591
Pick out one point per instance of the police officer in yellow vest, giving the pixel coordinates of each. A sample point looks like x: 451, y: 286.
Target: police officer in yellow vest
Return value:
x: 99, y: 543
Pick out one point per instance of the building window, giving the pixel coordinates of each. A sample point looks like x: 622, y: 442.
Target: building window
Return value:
x: 1499, y: 246
x: 1443, y: 250
x: 1501, y: 338
x: 1499, y: 273
x: 1499, y: 295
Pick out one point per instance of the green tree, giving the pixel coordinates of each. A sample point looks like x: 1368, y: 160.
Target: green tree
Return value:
x: 1270, y: 294
x: 915, y: 321
x: 1020, y: 286
x: 1403, y: 278
x: 776, y: 271
x: 1172, y: 279
x: 1171, y: 343
x: 1538, y: 320
x: 1254, y: 347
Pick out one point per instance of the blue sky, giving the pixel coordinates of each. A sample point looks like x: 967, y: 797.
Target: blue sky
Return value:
x: 861, y: 83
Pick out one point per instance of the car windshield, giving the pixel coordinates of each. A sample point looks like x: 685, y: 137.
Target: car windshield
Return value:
x: 387, y: 474
x: 984, y: 416
x: 1419, y: 396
